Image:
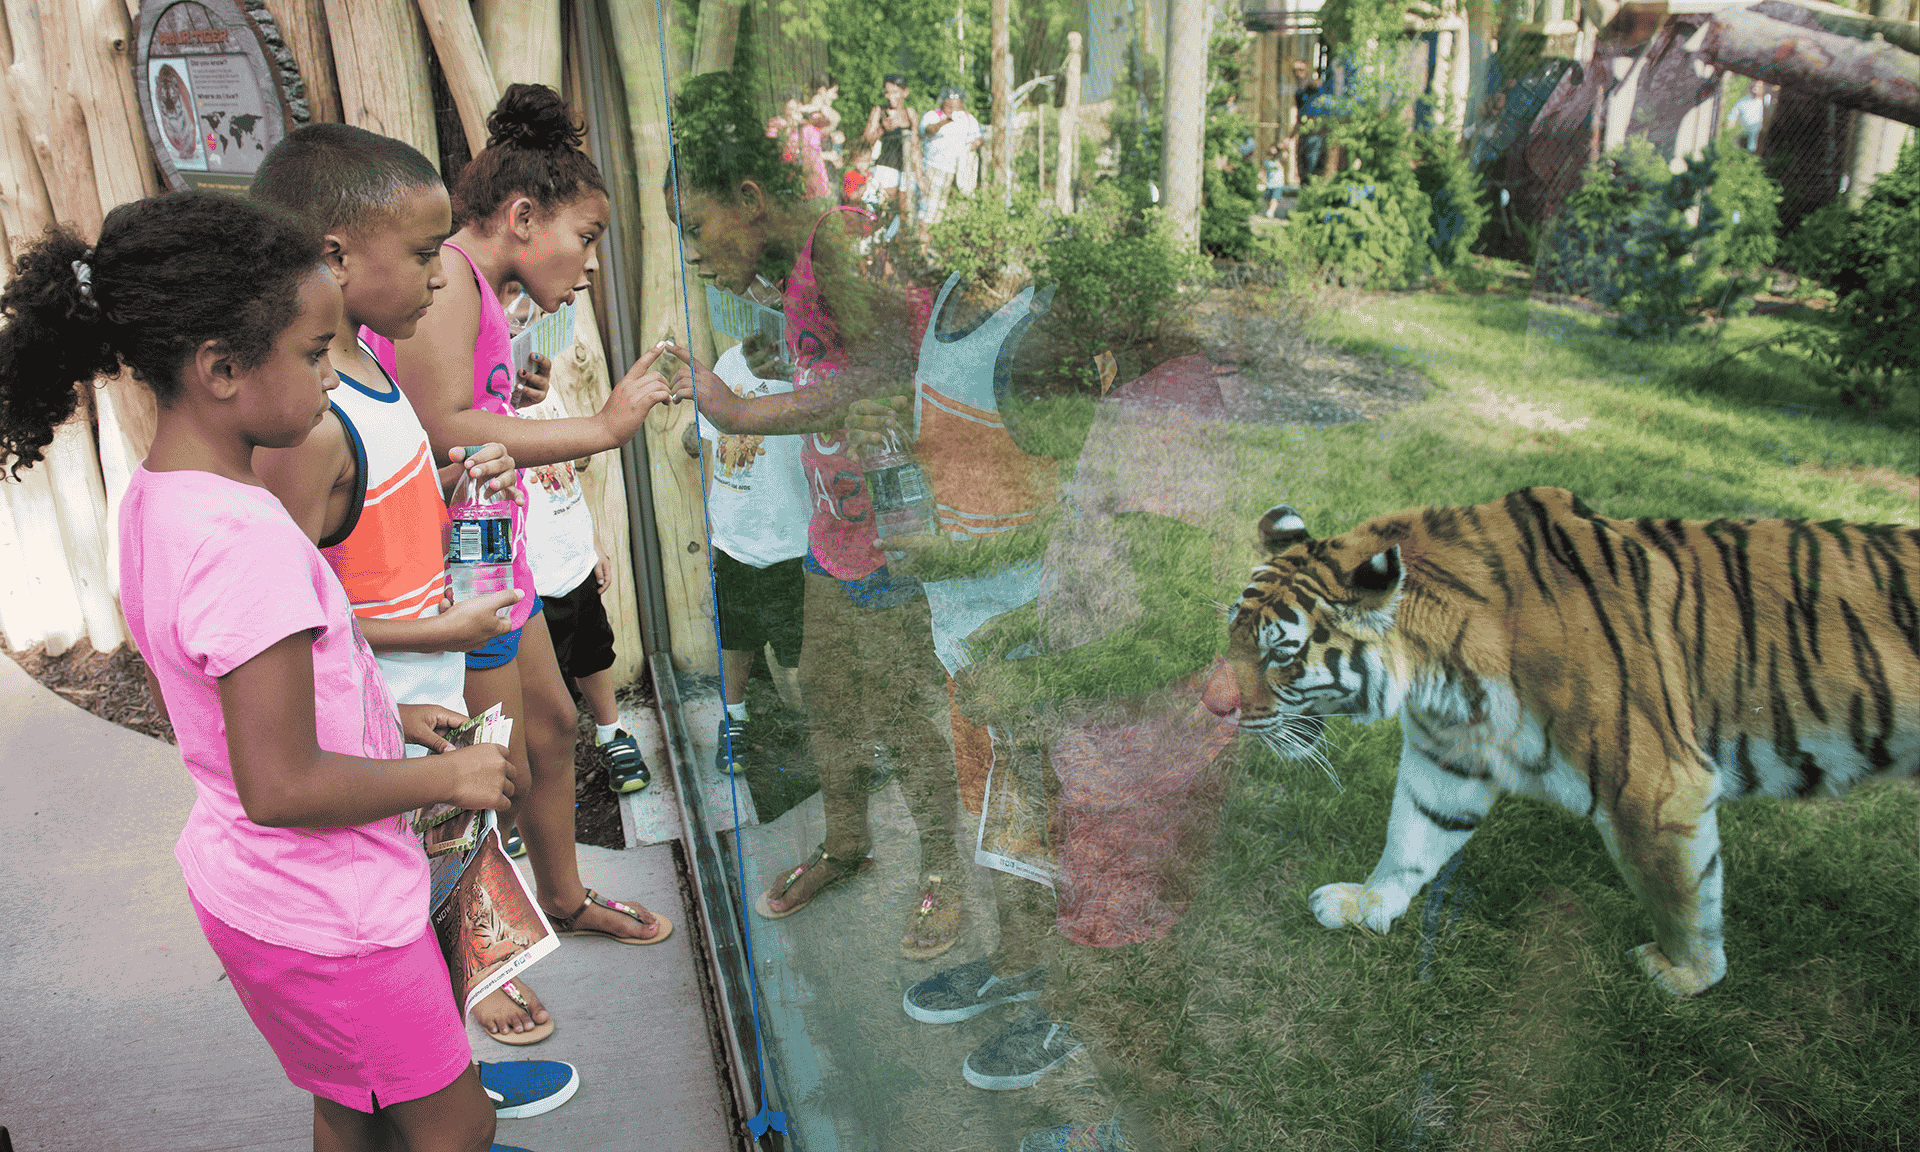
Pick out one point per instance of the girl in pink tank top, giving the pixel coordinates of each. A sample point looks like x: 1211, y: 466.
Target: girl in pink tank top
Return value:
x: 530, y: 209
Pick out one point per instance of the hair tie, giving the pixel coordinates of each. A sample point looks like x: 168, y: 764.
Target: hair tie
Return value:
x: 83, y: 273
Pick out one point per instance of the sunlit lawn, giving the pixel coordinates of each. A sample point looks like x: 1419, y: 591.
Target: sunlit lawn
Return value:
x: 1506, y: 1013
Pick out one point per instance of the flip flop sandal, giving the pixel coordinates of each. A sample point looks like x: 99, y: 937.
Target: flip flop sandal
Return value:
x: 842, y: 870
x: 564, y: 925
x: 520, y: 1039
x: 921, y: 921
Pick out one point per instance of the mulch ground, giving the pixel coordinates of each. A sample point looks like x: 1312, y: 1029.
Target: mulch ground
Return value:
x: 113, y: 686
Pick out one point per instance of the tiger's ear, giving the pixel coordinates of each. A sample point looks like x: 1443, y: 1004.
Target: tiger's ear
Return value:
x: 1281, y: 528
x: 1377, y: 580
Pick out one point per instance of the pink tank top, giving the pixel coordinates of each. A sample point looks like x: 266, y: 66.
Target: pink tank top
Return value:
x: 492, y: 392
x: 840, y: 534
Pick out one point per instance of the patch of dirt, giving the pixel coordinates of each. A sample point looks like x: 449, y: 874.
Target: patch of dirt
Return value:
x: 1491, y: 406
x: 1273, y: 371
x: 111, y: 685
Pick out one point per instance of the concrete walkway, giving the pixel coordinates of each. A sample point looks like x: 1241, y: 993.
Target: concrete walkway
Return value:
x: 123, y: 1034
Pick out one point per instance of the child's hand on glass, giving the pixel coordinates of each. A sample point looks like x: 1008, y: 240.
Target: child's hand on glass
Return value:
x: 635, y: 395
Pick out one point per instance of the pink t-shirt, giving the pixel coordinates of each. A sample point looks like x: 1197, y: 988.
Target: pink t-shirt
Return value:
x: 492, y: 392
x: 214, y: 572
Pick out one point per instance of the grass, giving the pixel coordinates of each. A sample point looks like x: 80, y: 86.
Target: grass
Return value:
x: 1505, y: 1012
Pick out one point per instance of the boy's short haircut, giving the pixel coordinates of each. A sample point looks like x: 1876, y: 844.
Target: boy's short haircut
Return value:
x: 340, y: 177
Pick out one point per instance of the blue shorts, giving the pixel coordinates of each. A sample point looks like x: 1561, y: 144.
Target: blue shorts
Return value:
x: 501, y: 649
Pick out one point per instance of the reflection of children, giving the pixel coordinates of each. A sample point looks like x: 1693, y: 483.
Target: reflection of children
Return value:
x: 1276, y: 175
x: 307, y: 880
x: 757, y: 509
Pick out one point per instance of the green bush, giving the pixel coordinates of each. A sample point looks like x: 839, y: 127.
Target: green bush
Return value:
x: 1117, y: 275
x: 1812, y: 251
x: 982, y: 236
x: 1454, y: 193
x: 1660, y: 247
x: 1369, y: 224
x: 1871, y: 351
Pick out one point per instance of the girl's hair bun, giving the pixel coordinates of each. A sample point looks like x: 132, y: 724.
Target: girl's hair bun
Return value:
x: 534, y: 118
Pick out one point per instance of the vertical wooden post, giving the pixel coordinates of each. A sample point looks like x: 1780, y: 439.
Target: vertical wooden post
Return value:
x: 303, y: 25
x: 678, y: 507
x: 463, y: 59
x: 716, y: 37
x: 380, y: 58
x: 1063, y: 169
x: 523, y: 40
x: 1183, y: 112
x: 1000, y: 61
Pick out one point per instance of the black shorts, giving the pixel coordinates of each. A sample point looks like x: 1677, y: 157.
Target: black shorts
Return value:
x: 760, y: 606
x: 582, y: 638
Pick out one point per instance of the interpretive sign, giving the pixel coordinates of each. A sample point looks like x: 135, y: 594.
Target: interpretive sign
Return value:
x: 212, y: 95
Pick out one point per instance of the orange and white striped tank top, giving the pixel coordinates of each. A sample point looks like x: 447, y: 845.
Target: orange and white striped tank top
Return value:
x: 391, y: 558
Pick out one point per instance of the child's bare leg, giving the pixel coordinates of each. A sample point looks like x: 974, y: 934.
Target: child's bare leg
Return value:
x: 597, y: 690
x: 735, y: 667
x: 338, y: 1128
x: 546, y: 820
x: 497, y: 1013
x: 458, y: 1118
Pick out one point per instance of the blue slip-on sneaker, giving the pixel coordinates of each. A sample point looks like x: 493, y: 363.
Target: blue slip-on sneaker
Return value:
x: 523, y: 1088
x: 626, y: 768
x: 1032, y: 1047
x: 963, y: 992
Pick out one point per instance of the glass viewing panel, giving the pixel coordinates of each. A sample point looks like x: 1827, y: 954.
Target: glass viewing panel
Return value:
x: 1003, y: 867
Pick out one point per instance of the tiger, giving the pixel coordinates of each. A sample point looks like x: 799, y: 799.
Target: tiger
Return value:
x: 1637, y: 672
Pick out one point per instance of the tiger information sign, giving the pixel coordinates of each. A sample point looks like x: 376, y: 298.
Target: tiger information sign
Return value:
x: 211, y: 94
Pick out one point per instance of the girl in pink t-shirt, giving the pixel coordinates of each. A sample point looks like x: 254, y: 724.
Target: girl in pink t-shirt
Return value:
x: 297, y: 856
x: 529, y: 208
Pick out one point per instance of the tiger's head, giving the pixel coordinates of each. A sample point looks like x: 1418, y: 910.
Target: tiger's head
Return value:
x: 1312, y: 634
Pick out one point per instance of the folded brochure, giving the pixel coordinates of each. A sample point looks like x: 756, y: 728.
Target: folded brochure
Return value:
x: 489, y: 925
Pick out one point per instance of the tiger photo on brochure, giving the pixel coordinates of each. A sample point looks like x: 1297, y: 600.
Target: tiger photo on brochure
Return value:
x: 1635, y: 672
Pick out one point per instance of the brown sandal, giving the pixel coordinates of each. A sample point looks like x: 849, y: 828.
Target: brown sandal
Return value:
x: 841, y: 870
x: 564, y: 925
x: 938, y: 915
x: 532, y: 1035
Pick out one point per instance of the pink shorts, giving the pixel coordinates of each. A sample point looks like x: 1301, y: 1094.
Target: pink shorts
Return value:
x: 361, y: 1031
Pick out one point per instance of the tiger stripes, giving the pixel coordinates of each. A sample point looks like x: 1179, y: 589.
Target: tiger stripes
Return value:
x: 1634, y: 671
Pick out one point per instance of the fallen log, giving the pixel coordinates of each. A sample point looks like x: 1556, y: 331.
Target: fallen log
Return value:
x: 1872, y: 76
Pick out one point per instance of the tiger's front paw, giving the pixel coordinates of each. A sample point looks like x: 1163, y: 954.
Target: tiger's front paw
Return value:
x: 1344, y: 905
x: 1679, y: 979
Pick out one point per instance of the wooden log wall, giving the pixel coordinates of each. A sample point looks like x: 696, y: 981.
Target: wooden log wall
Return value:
x: 72, y: 146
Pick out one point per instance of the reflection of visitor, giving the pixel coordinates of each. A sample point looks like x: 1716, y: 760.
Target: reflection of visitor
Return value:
x: 1276, y: 174
x: 1312, y: 108
x: 890, y: 129
x: 825, y: 117
x: 952, y: 136
x: 799, y: 137
x: 1749, y: 115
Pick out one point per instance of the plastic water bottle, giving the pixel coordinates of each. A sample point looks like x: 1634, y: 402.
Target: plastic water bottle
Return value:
x: 479, y: 541
x: 902, y: 498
